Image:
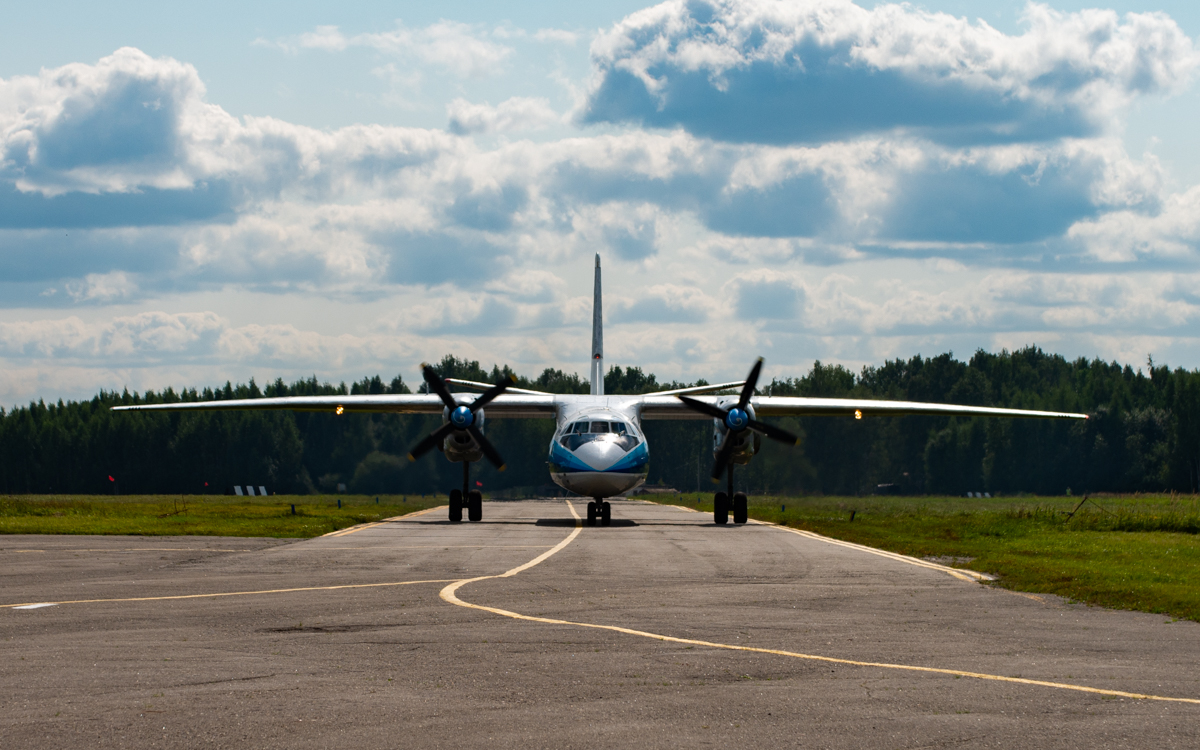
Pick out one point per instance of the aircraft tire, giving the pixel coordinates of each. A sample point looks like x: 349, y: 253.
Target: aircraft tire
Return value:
x: 456, y: 504
x: 591, y: 517
x: 605, y: 513
x: 475, y: 505
x: 740, y: 513
x: 721, y: 509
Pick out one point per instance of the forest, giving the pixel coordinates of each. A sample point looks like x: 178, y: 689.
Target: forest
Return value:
x: 1143, y: 435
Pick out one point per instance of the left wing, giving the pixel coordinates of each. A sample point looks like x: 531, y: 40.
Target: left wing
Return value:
x: 670, y: 407
x: 526, y: 406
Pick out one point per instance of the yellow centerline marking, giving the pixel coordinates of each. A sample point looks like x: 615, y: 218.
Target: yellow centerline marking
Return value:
x: 362, y: 526
x: 959, y: 573
x: 137, y: 549
x: 449, y: 594
x: 226, y: 593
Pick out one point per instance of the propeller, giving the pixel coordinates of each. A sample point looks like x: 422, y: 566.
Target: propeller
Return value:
x: 737, y: 420
x: 462, y: 417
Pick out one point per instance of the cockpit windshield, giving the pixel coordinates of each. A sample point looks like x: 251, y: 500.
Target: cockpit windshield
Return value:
x: 618, y: 433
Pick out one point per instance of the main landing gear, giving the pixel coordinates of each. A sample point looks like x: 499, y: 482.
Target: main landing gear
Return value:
x: 724, y: 502
x: 474, y: 499
x: 599, y: 510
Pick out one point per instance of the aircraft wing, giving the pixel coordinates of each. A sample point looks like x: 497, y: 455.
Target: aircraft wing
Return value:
x: 669, y: 407
x: 506, y: 405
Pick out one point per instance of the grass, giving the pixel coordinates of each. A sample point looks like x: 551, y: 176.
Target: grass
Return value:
x: 200, y: 515
x: 1137, y: 552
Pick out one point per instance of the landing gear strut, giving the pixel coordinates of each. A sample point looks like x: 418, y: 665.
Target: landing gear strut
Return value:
x: 599, y: 510
x: 472, y: 499
x: 723, y: 502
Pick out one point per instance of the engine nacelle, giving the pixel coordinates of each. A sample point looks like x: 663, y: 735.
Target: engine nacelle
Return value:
x: 747, y: 441
x: 459, y: 445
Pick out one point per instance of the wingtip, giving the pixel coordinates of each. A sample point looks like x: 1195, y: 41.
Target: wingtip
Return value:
x: 412, y: 458
x: 503, y: 467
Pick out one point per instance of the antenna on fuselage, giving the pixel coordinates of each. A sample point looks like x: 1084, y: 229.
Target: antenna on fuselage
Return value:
x: 597, y: 338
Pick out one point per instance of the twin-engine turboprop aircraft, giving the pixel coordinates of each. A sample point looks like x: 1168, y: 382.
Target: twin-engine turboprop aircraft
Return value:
x: 599, y: 449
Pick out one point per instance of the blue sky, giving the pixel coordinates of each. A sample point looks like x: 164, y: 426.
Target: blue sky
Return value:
x: 202, y: 193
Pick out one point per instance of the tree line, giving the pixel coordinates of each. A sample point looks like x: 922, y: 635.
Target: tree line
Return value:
x: 1143, y: 435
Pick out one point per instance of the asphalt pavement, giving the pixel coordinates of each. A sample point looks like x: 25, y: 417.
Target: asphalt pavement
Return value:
x: 527, y: 630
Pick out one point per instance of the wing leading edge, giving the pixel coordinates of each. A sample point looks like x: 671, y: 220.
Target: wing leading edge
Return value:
x: 669, y: 407
x: 511, y: 406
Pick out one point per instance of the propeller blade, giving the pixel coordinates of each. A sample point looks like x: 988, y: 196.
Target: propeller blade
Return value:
x: 430, y: 440
x: 488, y: 451
x: 773, y: 432
x: 751, y: 383
x: 723, y: 456
x: 492, y: 393
x: 438, y: 386
x: 703, y: 407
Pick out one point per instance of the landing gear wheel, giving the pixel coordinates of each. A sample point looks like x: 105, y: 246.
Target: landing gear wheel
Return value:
x: 605, y: 513
x: 591, y: 519
x: 721, y: 509
x: 475, y: 505
x: 739, y: 507
x: 456, y: 503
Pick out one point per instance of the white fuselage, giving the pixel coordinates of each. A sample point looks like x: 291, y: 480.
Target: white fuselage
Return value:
x: 598, y: 449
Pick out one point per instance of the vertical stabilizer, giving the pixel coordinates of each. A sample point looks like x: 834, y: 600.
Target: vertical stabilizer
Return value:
x: 597, y: 338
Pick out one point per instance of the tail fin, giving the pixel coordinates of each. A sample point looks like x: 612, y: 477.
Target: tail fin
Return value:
x: 597, y: 338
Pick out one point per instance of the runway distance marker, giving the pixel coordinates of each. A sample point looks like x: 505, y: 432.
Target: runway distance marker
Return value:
x: 449, y: 594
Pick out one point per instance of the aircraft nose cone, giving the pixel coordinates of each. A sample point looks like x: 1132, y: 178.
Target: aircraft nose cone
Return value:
x: 599, y: 454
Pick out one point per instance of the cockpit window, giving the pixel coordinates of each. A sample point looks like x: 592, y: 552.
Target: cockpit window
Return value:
x: 618, y: 433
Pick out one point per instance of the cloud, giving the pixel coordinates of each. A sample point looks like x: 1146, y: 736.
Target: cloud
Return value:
x: 1127, y: 236
x: 767, y: 295
x: 662, y: 303
x: 768, y: 72
x: 147, y: 334
x: 103, y: 287
x: 558, y: 36
x: 517, y: 114
x: 458, y: 48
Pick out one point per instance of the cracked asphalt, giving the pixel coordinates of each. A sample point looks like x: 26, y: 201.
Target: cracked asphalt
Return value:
x: 344, y: 640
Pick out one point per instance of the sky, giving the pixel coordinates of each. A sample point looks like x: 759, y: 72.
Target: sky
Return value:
x: 208, y: 192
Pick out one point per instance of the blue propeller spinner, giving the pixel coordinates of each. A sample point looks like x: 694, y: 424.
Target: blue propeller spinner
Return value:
x: 736, y: 419
x: 462, y: 417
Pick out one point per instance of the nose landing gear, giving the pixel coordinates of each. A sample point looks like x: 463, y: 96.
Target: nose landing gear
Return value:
x: 599, y: 510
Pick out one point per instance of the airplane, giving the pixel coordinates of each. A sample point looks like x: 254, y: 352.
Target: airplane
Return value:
x: 599, y: 450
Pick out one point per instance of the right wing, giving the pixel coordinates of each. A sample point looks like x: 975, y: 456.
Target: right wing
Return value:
x: 670, y: 407
x: 507, y: 405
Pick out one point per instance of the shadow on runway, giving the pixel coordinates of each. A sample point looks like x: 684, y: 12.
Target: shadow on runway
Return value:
x: 571, y: 522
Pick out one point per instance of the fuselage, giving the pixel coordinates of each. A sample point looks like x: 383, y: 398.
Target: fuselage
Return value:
x: 598, y: 449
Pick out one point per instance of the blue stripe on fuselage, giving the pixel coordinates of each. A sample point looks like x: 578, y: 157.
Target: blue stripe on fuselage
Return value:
x: 565, y: 461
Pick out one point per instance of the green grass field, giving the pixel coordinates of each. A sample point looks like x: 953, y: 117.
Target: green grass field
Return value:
x: 1126, y: 552
x: 200, y: 515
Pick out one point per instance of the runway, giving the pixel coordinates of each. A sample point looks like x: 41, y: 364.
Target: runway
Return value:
x: 529, y: 630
